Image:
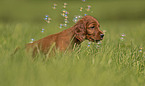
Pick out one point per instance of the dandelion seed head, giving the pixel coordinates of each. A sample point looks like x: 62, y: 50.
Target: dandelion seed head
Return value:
x: 48, y: 21
x: 89, y: 42
x: 99, y: 42
x: 65, y: 25
x: 76, y: 18
x: 45, y: 18
x: 81, y: 8
x: 42, y: 30
x: 65, y: 4
x: 141, y: 50
x: 63, y: 10
x: 63, y: 14
x: 66, y: 12
x: 89, y: 6
x: 122, y: 39
x: 88, y: 9
x: 66, y: 16
x: 79, y: 16
x: 54, y: 6
x: 46, y: 15
x: 83, y: 0
x: 123, y: 34
x: 60, y: 26
x: 32, y: 40
x: 66, y: 21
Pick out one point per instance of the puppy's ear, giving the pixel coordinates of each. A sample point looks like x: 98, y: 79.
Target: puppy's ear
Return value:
x: 80, y: 30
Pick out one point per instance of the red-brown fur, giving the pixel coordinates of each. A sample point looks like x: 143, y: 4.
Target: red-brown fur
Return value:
x: 85, y: 28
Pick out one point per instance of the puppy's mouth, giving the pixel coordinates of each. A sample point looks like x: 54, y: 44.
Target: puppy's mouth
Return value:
x: 98, y: 40
x: 95, y: 40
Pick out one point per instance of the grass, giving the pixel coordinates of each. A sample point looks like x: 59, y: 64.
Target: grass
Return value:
x: 114, y: 63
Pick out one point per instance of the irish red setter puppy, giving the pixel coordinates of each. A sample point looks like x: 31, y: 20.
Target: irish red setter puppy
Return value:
x: 85, y: 28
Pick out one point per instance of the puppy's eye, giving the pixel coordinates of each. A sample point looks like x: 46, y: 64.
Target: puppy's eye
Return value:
x: 92, y: 27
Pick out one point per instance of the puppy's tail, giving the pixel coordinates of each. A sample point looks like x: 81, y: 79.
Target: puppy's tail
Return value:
x: 15, y: 51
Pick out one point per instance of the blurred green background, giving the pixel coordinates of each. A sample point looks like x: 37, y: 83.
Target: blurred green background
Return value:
x: 116, y: 63
x: 35, y: 10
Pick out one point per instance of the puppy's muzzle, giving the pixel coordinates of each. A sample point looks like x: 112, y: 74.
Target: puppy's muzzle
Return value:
x: 101, y: 35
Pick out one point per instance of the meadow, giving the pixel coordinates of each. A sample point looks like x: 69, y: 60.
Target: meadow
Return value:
x: 118, y: 61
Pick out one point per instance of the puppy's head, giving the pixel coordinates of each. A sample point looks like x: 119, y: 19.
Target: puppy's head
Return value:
x: 88, y: 28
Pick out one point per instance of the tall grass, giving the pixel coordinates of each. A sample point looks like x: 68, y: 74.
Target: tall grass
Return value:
x: 116, y: 62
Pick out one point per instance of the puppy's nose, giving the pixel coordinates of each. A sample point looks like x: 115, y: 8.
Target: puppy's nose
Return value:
x: 102, y: 35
